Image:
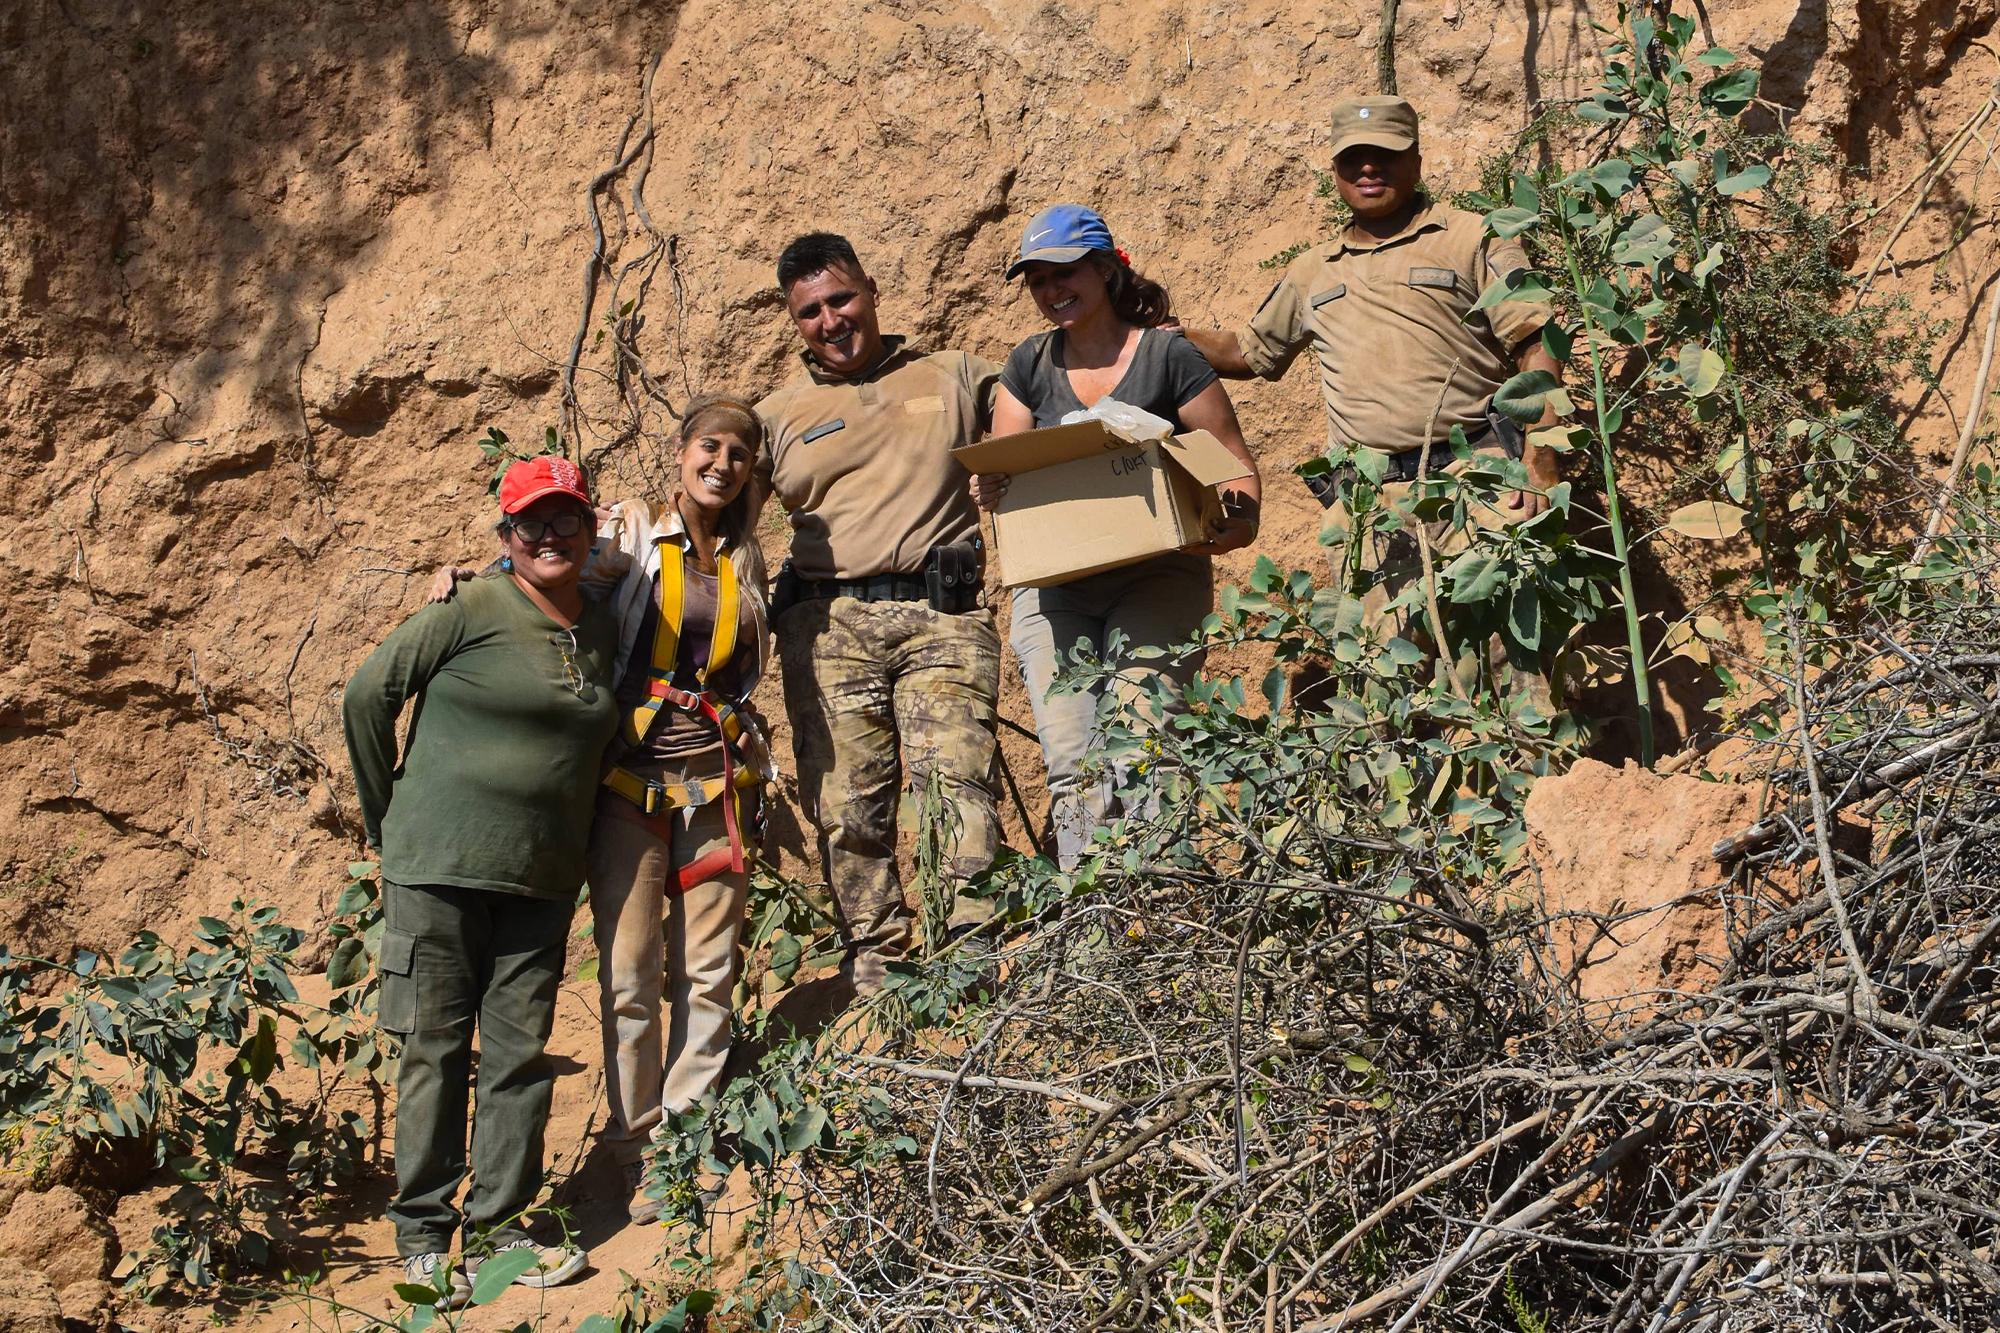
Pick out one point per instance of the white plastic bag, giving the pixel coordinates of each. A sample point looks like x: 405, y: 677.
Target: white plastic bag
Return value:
x: 1134, y: 424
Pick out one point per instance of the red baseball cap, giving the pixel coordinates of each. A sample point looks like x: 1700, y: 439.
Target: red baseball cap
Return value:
x: 532, y: 478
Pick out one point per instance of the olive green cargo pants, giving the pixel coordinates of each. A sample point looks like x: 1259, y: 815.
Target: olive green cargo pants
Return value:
x: 453, y: 960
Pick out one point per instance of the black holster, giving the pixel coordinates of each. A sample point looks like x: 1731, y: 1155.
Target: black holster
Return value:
x: 1504, y: 431
x: 955, y: 576
x: 785, y: 592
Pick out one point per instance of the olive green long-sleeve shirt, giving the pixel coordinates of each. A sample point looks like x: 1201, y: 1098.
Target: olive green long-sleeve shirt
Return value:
x: 499, y: 779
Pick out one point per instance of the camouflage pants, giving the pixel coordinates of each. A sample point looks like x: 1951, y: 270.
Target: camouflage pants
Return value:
x: 876, y: 690
x: 1390, y: 563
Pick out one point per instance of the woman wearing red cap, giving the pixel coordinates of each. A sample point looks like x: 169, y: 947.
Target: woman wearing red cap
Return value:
x: 481, y: 830
x: 676, y: 813
x: 1107, y: 342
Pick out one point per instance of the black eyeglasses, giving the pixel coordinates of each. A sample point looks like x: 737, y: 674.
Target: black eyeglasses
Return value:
x: 534, y: 529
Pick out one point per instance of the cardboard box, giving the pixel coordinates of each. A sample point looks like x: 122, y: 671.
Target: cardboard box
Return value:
x: 1090, y: 496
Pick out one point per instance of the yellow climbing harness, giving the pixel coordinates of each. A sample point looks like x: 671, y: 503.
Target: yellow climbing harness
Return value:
x: 658, y: 800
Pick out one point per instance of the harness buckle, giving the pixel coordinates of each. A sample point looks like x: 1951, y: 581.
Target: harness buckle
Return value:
x: 656, y: 796
x: 685, y: 700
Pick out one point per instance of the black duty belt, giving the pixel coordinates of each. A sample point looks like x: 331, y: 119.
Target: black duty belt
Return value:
x: 1408, y: 464
x: 880, y: 588
x: 951, y: 582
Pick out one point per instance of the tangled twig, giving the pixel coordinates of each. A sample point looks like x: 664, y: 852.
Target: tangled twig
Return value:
x: 1307, y: 1081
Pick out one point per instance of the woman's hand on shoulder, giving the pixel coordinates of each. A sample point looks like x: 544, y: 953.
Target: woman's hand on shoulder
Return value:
x: 989, y: 488
x: 445, y: 582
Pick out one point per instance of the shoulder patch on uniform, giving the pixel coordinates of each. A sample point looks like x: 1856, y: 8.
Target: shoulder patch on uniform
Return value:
x: 1330, y: 294
x: 824, y: 428
x: 1444, y: 278
x: 1267, y: 296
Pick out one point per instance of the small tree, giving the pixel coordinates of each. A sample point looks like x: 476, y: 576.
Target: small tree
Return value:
x: 1697, y: 292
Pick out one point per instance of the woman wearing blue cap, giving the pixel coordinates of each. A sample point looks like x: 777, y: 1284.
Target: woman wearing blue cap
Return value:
x: 1107, y: 342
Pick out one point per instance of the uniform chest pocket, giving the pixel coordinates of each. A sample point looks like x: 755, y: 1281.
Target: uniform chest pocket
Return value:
x: 823, y: 430
x: 1438, y: 279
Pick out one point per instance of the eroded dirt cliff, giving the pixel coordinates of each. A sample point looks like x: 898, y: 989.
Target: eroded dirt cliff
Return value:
x: 267, y: 281
x: 267, y: 275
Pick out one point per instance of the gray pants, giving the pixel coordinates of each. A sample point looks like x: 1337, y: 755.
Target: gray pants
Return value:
x: 454, y: 959
x: 1157, y: 602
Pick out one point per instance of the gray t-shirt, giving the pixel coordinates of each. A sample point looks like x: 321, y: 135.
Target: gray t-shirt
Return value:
x: 1166, y: 372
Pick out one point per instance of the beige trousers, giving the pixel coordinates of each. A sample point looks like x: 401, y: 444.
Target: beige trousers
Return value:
x: 667, y: 966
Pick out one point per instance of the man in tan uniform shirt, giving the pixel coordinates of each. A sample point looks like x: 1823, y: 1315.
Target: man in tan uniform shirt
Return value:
x: 1387, y: 309
x: 888, y: 659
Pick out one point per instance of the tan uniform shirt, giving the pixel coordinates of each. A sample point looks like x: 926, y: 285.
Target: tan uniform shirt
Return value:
x: 864, y: 465
x: 1387, y: 318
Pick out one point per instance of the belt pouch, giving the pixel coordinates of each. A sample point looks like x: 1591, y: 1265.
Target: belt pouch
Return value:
x: 1507, y: 430
x: 1325, y: 486
x: 953, y: 576
x: 785, y: 594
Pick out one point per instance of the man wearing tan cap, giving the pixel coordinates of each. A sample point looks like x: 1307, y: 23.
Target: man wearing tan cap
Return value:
x: 1387, y: 306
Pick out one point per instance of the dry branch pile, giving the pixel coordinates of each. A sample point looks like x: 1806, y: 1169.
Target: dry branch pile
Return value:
x: 1300, y: 1082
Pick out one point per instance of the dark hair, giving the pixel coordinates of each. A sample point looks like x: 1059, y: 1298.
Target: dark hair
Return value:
x: 1135, y: 298
x: 815, y: 252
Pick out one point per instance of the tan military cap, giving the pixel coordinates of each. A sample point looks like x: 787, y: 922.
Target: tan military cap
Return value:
x: 1385, y: 122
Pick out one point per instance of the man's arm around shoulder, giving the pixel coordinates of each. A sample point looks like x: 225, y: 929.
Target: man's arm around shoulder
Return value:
x: 1274, y: 335
x: 1223, y: 351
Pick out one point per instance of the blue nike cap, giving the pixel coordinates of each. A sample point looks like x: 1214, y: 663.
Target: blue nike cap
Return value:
x: 1062, y: 234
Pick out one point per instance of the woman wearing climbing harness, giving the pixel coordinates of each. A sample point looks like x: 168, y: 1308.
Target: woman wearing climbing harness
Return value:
x: 677, y: 810
x: 1107, y: 343
x: 481, y: 833
x: 677, y: 818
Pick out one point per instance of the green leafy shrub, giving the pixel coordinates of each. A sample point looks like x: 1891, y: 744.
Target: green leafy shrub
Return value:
x: 180, y: 1050
x: 1699, y: 291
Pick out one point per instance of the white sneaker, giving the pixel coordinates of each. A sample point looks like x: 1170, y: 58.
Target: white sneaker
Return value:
x: 556, y: 1264
x: 420, y: 1270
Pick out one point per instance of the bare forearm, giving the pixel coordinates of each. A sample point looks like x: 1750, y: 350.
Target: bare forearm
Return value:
x: 1534, y: 356
x: 1541, y: 462
x: 1224, y: 353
